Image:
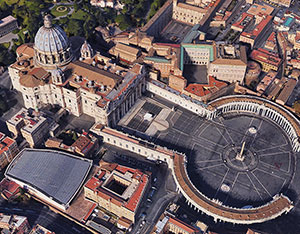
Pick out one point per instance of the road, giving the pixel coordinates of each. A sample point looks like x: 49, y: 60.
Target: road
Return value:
x: 156, y: 211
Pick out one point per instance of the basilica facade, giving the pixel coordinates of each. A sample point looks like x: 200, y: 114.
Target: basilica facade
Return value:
x: 48, y: 73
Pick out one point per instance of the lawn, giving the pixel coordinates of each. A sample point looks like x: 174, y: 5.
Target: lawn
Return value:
x: 6, y: 44
x: 60, y: 10
x: 11, y: 2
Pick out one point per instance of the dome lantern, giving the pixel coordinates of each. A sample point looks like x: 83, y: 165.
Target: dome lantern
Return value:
x: 48, y: 21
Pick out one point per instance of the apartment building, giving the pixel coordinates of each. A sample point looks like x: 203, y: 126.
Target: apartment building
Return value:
x: 8, y: 150
x: 29, y: 124
x: 7, y: 25
x: 118, y: 189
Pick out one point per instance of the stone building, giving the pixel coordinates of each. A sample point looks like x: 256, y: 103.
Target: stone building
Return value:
x: 48, y: 73
x: 188, y: 13
x: 7, y: 25
x: 118, y: 189
x: 230, y: 63
x: 8, y: 150
x: 33, y: 127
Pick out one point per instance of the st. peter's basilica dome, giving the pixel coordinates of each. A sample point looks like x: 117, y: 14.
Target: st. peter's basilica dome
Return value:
x: 51, y: 46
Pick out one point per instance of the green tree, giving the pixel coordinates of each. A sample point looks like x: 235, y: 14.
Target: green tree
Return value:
x: 123, y: 21
x: 74, y: 28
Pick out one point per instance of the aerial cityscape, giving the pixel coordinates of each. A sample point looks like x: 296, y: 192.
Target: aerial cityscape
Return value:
x: 150, y: 116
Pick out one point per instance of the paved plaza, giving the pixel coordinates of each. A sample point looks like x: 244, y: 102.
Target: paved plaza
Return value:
x: 212, y: 148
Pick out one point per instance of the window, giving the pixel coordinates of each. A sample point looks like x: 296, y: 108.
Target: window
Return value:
x: 108, y: 139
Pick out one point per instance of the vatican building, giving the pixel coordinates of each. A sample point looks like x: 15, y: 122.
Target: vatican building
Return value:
x: 48, y: 73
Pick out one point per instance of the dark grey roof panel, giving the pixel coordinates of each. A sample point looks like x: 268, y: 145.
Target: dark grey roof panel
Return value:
x: 53, y: 173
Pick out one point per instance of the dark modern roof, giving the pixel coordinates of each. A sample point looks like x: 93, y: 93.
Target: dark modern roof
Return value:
x: 56, y: 174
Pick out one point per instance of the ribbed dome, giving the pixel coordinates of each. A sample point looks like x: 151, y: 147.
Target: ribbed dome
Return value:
x: 57, y: 76
x: 51, y: 46
x: 86, y: 50
x: 51, y: 40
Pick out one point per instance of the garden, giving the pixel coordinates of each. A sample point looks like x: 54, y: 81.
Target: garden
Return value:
x: 60, y: 10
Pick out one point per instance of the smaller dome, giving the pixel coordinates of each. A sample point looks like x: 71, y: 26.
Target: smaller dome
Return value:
x: 57, y: 76
x: 86, y: 50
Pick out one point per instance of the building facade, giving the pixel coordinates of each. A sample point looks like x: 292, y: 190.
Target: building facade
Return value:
x: 48, y: 73
x: 14, y: 224
x: 7, y: 25
x: 8, y: 150
x: 118, y: 189
x: 230, y: 64
x: 29, y: 124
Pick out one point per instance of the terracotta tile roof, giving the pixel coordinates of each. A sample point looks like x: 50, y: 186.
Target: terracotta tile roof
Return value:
x: 53, y: 142
x: 39, y: 73
x: 25, y: 50
x: 136, y: 197
x: 8, y: 188
x: 125, y: 222
x: 82, y: 144
x: 183, y: 225
x: 239, y: 24
x: 93, y: 183
x: 205, y: 89
x: 191, y: 7
x: 259, y: 28
x: 5, y: 143
x: 127, y: 49
x: 93, y: 73
x: 266, y: 57
x: 89, y: 213
x: 29, y: 81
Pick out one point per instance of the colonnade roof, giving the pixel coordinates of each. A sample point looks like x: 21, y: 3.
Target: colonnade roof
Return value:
x: 260, y: 101
x: 268, y: 211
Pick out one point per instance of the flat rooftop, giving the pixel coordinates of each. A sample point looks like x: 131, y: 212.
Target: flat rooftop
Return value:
x: 55, y: 174
x: 174, y: 32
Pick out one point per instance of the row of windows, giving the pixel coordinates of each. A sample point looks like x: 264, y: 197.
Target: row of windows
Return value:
x: 133, y: 148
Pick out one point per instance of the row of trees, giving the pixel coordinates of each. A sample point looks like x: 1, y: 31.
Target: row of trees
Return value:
x: 29, y: 16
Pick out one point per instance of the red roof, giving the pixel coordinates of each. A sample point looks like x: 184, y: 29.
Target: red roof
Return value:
x: 8, y: 188
x: 238, y: 24
x: 182, y: 225
x: 266, y: 57
x: 5, y: 144
x: 93, y: 183
x: 89, y: 213
x: 136, y: 197
x: 204, y: 89
x: 259, y: 28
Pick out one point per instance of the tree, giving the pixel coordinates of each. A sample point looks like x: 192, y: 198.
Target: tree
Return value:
x: 123, y: 21
x: 6, y: 58
x: 74, y: 28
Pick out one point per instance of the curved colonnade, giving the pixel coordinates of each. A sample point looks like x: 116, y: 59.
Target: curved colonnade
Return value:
x: 263, y: 108
x: 280, y: 203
